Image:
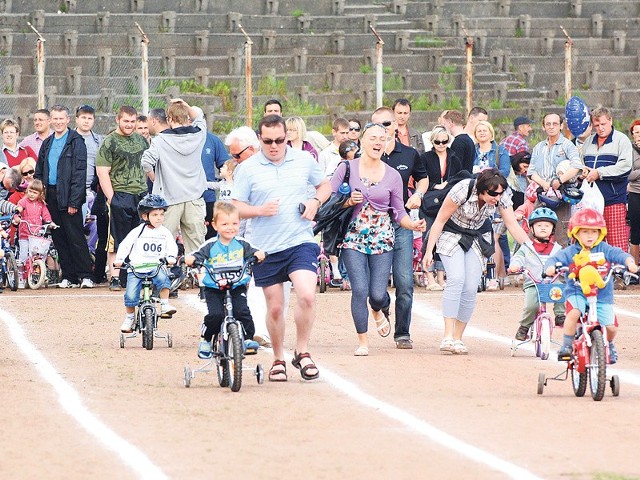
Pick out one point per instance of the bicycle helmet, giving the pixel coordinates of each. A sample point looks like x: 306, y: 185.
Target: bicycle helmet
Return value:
x: 571, y: 195
x: 578, y: 117
x: 151, y: 202
x: 587, y: 218
x: 551, y: 198
x: 532, y: 192
x: 543, y: 214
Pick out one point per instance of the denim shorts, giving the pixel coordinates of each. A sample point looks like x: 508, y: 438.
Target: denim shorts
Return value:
x: 134, y: 286
x: 277, y: 266
x: 606, y: 316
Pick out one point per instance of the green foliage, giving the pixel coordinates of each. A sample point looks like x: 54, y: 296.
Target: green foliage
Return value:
x: 297, y: 13
x: 271, y: 86
x: 421, y: 103
x: 448, y: 68
x: 131, y: 88
x: 519, y: 32
x: 365, y: 69
x: 7, y: 90
x: 496, y: 104
x: 324, y: 128
x: 393, y: 82
x: 62, y: 7
x: 446, y: 79
x: 4, y: 53
x: 300, y: 109
x: 427, y: 42
x: 387, y: 70
x: 452, y: 103
x: 355, y: 106
x: 560, y: 101
x: 225, y: 126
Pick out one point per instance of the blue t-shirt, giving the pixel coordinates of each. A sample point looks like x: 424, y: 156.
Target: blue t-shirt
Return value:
x: 213, y: 155
x: 54, y: 156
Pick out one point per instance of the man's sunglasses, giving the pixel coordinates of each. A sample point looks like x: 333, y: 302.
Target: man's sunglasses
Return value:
x: 270, y: 141
x: 28, y: 172
x: 493, y: 193
x: 441, y: 142
x: 239, y: 154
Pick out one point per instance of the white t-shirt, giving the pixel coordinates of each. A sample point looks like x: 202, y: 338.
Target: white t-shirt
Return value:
x: 146, y: 245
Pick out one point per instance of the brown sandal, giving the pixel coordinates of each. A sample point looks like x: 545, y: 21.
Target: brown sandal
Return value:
x: 278, y: 368
x: 297, y: 357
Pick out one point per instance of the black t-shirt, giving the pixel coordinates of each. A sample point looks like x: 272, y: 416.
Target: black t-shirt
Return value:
x: 465, y: 149
x: 406, y: 160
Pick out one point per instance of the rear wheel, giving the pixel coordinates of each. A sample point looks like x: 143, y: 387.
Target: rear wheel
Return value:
x: 12, y: 271
x: 579, y: 381
x: 147, y: 330
x: 545, y: 337
x: 322, y: 273
x: 37, y: 275
x: 597, y: 366
x: 222, y: 366
x: 234, y: 353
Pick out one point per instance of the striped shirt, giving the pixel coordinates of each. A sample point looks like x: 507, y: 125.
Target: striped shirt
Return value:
x: 260, y: 181
x: 545, y: 159
x: 34, y: 141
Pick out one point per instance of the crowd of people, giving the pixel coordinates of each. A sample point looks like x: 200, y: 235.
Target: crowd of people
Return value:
x: 163, y: 176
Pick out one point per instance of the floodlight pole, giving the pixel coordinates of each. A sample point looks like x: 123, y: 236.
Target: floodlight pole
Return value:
x: 41, y: 62
x: 247, y: 75
x: 568, y: 45
x: 468, y: 42
x: 379, y: 45
x: 144, y: 80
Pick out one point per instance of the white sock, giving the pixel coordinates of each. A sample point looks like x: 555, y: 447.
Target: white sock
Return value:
x: 164, y: 301
x: 336, y: 272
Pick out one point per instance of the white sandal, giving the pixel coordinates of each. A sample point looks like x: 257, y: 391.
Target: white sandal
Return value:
x: 459, y: 348
x: 446, y: 345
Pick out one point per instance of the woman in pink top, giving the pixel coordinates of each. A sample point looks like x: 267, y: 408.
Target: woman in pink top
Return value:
x: 34, y: 211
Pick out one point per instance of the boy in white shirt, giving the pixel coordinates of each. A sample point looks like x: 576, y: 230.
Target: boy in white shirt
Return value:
x: 143, y: 248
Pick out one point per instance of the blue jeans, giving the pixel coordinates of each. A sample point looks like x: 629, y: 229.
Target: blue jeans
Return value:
x: 134, y: 286
x: 369, y: 276
x: 403, y: 280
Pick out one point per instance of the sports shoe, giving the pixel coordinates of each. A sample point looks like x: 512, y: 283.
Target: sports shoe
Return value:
x: 335, y: 283
x: 446, y: 345
x: 21, y: 283
x: 613, y: 354
x: 263, y: 341
x: 404, y: 344
x: 167, y: 309
x: 205, y: 351
x: 173, y: 294
x: 492, y: 285
x: 114, y: 284
x: 127, y: 325
x: 87, y: 283
x: 251, y: 347
x: 459, y: 348
x: 521, y: 334
x: 66, y: 284
x: 505, y: 281
x: 559, y: 320
x: 564, y: 354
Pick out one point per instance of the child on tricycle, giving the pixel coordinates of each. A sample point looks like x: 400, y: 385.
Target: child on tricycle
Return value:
x: 587, y: 229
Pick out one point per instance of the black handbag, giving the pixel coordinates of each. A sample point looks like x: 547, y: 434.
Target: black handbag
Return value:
x: 333, y: 218
x: 432, y: 200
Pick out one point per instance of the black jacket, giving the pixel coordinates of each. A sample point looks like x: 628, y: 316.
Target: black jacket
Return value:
x: 432, y: 162
x: 72, y: 170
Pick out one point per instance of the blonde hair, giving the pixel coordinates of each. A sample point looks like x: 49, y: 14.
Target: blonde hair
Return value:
x: 489, y: 126
x: 224, y: 207
x: 37, y: 186
x: 29, y: 161
x: 297, y: 123
x: 9, y: 123
x: 438, y: 130
x: 179, y: 113
x: 231, y: 165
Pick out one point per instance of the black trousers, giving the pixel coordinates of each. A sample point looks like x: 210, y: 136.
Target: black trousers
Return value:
x: 102, y: 224
x: 215, y: 305
x: 69, y: 239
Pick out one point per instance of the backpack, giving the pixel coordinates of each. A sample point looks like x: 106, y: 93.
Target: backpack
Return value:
x: 432, y: 200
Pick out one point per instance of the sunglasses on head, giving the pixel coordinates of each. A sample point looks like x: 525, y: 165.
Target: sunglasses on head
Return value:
x: 354, y: 129
x: 237, y: 155
x: 493, y: 193
x: 270, y: 141
x: 387, y: 123
x: 372, y: 124
x: 441, y: 142
x: 28, y: 172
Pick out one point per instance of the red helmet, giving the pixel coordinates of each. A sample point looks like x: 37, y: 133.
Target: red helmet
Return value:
x: 587, y: 218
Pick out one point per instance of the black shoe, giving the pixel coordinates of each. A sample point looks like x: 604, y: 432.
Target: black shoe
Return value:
x: 114, y: 284
x: 560, y: 320
x: 173, y: 294
x: 335, y: 283
x: 404, y: 344
x: 521, y: 334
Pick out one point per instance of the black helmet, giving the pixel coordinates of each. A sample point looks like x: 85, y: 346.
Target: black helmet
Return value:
x: 571, y: 195
x: 151, y: 202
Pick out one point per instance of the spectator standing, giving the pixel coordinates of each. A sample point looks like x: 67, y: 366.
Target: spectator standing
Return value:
x: 213, y: 157
x: 330, y: 156
x: 488, y: 153
x: 13, y: 154
x: 476, y: 114
x: 517, y: 141
x: 608, y: 157
x: 463, y: 145
x: 408, y: 136
x: 42, y: 125
x: 142, y: 127
x: 407, y: 162
x: 278, y: 228
x: 122, y: 180
x: 545, y: 158
x: 355, y: 127
x: 297, y: 136
x: 157, y: 121
x: 633, y: 206
x: 273, y: 107
x: 62, y: 166
x: 173, y: 162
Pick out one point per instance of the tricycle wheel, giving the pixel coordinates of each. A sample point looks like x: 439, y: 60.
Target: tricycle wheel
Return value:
x: 259, y: 374
x: 169, y: 340
x: 122, y: 340
x: 541, y: 382
x: 615, y: 385
x: 187, y: 376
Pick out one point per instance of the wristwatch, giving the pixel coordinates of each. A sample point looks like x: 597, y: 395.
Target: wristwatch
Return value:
x: 420, y: 194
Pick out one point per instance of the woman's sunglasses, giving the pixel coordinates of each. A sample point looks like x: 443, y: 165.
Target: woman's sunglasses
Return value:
x: 354, y: 129
x: 441, y: 142
x: 493, y: 193
x: 28, y: 172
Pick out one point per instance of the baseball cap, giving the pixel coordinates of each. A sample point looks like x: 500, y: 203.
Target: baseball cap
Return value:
x: 522, y: 121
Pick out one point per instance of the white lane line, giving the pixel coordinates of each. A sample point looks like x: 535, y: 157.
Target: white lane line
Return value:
x: 413, y: 423
x: 434, y: 317
x: 70, y: 401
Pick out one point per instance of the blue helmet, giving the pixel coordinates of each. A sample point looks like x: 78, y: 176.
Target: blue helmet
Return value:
x: 578, y: 116
x: 543, y: 214
x: 551, y: 198
x: 571, y: 195
x: 152, y: 202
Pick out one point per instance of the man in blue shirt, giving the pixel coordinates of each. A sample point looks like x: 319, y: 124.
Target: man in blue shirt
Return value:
x: 213, y: 157
x: 62, y: 166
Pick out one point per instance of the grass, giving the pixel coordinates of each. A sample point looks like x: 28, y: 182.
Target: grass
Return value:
x: 446, y: 80
x: 429, y: 42
x: 393, y: 82
x: 365, y: 69
x: 519, y: 32
x: 271, y: 86
x: 297, y: 13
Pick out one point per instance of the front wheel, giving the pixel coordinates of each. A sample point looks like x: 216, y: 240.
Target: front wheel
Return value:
x: 222, y: 365
x: 597, y: 366
x: 545, y: 337
x: 579, y: 381
x: 12, y: 271
x: 322, y: 274
x: 234, y: 356
x: 148, y: 315
x: 37, y: 275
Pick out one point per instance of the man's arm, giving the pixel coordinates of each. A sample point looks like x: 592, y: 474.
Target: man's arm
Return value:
x: 150, y: 159
x: 105, y: 181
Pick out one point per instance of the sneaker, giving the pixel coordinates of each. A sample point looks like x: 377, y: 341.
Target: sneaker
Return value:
x: 492, y: 285
x: 114, y: 284
x: 205, y: 351
x: 263, y: 341
x: 167, y: 309
x: 173, y: 294
x: 505, y: 281
x: 560, y: 320
x: 66, y: 284
x: 404, y: 344
x: 127, y: 325
x: 459, y: 348
x: 613, y: 354
x: 521, y: 334
x: 251, y: 347
x: 335, y: 283
x: 446, y: 345
x: 87, y: 283
x: 564, y: 354
x: 21, y: 283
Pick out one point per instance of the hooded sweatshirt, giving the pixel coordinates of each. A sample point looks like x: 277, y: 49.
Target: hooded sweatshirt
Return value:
x: 175, y: 156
